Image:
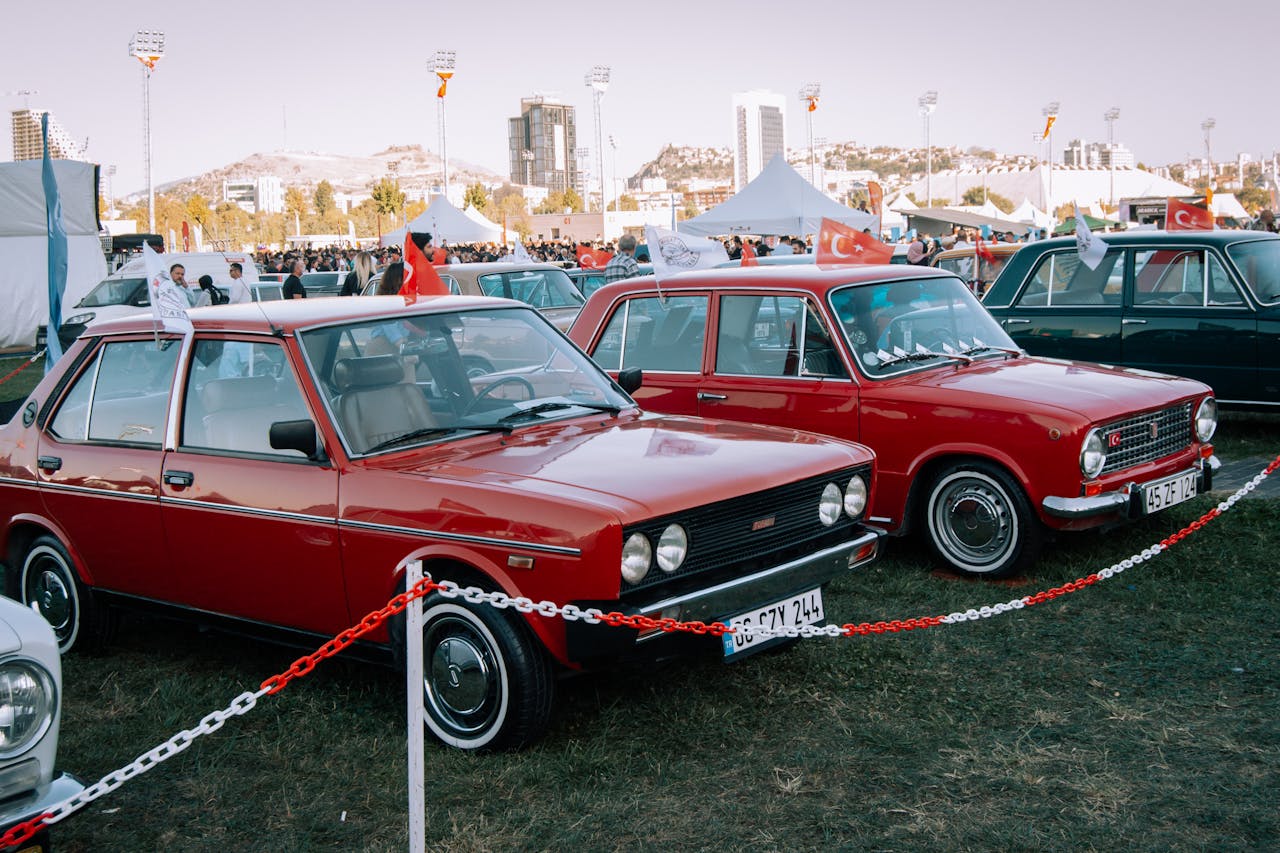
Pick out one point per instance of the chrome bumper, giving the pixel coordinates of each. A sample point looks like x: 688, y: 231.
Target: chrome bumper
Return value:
x: 63, y: 787
x: 1120, y: 500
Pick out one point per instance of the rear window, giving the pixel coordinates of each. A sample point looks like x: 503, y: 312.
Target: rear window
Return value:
x: 1259, y: 264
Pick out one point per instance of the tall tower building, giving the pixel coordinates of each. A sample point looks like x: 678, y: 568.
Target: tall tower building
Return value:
x: 543, y: 142
x: 26, y: 138
x: 759, y: 132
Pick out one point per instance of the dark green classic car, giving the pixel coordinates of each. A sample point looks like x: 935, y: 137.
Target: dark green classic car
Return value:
x: 1202, y: 304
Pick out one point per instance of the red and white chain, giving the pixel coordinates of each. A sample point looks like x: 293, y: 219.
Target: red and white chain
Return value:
x: 245, y: 702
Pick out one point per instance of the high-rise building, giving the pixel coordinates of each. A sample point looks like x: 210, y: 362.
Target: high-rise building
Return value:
x: 1096, y: 155
x: 255, y: 195
x: 27, y: 143
x: 759, y: 132
x: 543, y: 142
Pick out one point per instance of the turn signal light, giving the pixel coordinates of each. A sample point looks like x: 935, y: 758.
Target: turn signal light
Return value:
x: 1092, y: 489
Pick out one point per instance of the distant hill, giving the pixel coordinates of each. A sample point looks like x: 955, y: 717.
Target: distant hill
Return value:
x: 679, y: 163
x: 411, y: 164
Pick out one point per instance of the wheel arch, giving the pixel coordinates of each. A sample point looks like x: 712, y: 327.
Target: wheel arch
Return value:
x: 22, y: 531
x: 927, y: 472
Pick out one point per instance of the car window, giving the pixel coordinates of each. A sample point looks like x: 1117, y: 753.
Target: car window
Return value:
x: 1182, y: 277
x: 235, y: 391
x: 121, y: 396
x: 655, y: 334
x: 539, y: 288
x: 1258, y: 262
x: 1061, y: 279
x: 773, y: 336
x: 117, y: 291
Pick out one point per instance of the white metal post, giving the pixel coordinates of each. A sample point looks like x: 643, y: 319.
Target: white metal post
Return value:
x: 416, y: 740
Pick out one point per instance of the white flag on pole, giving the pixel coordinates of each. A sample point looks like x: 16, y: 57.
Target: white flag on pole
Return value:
x: 673, y: 253
x: 1092, y: 249
x: 168, y: 303
x: 520, y: 254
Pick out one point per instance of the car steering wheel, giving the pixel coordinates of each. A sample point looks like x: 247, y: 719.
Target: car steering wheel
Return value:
x: 935, y: 338
x: 492, y: 386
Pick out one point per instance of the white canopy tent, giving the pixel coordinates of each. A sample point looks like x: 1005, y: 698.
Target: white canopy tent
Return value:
x: 446, y: 224
x: 474, y: 214
x: 24, y: 242
x: 779, y: 201
x: 1028, y: 214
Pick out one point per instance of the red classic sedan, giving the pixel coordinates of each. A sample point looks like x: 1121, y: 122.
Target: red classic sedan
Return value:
x: 270, y: 469
x: 979, y: 446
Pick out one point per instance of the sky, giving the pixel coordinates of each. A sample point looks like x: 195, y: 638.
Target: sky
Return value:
x: 352, y: 78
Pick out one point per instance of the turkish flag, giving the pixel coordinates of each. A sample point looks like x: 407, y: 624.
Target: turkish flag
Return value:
x: 749, y: 255
x: 593, y: 259
x: 420, y: 276
x: 983, y: 252
x: 1180, y: 216
x: 876, y: 195
x: 444, y: 76
x: 840, y: 244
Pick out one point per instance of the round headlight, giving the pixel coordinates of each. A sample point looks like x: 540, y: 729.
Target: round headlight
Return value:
x: 855, y: 497
x: 672, y: 547
x: 27, y: 704
x: 830, y: 505
x: 1206, y: 419
x: 637, y: 554
x: 1092, y: 455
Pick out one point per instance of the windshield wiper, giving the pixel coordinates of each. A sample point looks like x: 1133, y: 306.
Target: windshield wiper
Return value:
x: 925, y: 355
x: 428, y: 432
x: 977, y: 348
x: 556, y: 405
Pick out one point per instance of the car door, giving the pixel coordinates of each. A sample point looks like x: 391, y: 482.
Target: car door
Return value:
x: 664, y: 337
x: 252, y: 530
x: 100, y: 460
x: 1185, y: 315
x: 1067, y: 310
x: 774, y: 362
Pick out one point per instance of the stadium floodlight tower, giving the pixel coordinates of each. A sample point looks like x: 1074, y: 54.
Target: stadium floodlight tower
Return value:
x: 147, y: 46
x: 443, y: 65
x: 928, y: 102
x: 598, y: 81
x: 1207, y: 126
x: 1050, y: 113
x: 1110, y: 116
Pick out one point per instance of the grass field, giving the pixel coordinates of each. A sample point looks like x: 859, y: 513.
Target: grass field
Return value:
x: 1138, y: 714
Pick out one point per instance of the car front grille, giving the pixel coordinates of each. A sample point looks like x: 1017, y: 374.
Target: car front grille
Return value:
x: 1145, y: 437
x: 751, y: 531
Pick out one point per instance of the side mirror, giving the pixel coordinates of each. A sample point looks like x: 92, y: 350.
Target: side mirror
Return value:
x: 630, y: 379
x: 297, y: 435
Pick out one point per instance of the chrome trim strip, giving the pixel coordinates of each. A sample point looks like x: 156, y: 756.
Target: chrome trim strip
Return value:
x: 739, y: 594
x: 462, y: 537
x: 14, y: 481
x: 64, y: 487
x: 250, y: 510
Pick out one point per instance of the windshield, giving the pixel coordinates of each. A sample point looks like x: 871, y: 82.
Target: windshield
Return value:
x: 116, y: 291
x: 539, y: 288
x: 1259, y: 265
x: 407, y: 379
x: 926, y: 320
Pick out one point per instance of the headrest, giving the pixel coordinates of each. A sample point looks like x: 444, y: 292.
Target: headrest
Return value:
x: 373, y: 371
x: 245, y: 392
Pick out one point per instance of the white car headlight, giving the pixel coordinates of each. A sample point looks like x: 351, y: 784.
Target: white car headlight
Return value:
x: 831, y: 504
x: 79, y: 319
x: 1093, y: 455
x: 855, y: 497
x: 1206, y: 419
x: 637, y: 555
x: 27, y: 705
x: 673, y: 545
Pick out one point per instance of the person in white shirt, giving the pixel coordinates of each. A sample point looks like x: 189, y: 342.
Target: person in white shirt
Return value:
x: 239, y: 290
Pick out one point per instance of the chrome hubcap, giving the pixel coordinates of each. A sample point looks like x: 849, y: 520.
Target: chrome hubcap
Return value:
x: 50, y: 598
x: 975, y: 522
x: 461, y: 684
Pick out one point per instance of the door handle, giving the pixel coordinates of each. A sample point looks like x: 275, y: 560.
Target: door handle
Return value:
x: 1132, y: 321
x: 1014, y: 321
x: 49, y: 463
x: 179, y: 478
x: 703, y: 396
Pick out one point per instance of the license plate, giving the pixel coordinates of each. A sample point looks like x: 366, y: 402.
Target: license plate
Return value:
x: 1163, y: 494
x: 802, y: 609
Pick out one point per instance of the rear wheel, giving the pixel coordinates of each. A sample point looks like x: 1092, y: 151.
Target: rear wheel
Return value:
x: 49, y: 586
x: 487, y: 683
x: 979, y: 522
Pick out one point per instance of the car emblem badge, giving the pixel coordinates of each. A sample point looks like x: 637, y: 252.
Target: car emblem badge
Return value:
x: 1155, y: 429
x: 764, y: 523
x: 1113, y: 439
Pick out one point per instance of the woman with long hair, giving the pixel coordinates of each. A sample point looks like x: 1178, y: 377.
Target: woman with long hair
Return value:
x: 361, y: 271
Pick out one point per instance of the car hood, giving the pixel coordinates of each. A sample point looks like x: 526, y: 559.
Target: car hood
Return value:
x: 1092, y: 391
x: 640, y: 465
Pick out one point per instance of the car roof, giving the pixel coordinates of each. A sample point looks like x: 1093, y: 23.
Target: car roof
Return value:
x: 995, y: 248
x: 482, y: 267
x: 1218, y: 237
x: 811, y: 277
x: 289, y: 315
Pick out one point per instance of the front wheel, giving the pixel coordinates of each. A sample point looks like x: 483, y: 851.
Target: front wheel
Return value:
x: 979, y: 522
x: 487, y: 684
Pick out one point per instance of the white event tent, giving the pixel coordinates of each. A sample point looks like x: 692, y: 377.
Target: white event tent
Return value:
x: 779, y: 201
x: 446, y: 224
x: 24, y: 242
x: 1066, y: 185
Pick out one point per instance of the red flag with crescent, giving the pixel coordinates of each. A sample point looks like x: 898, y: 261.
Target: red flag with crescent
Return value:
x: 876, y: 196
x: 1048, y: 126
x: 593, y: 259
x: 1180, y: 216
x: 749, y: 255
x: 420, y: 276
x: 983, y: 252
x: 813, y: 104
x: 840, y: 244
x: 444, y: 76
